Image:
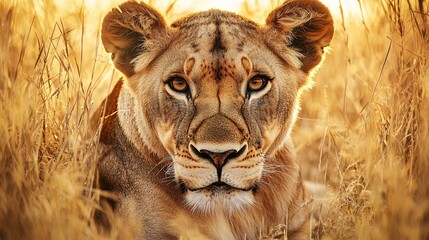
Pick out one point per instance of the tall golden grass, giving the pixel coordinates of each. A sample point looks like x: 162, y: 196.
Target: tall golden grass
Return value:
x: 363, y: 129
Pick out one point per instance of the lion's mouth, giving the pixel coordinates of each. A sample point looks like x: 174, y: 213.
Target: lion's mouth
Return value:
x: 218, y: 187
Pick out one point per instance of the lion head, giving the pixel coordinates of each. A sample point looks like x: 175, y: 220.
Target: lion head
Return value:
x: 214, y: 92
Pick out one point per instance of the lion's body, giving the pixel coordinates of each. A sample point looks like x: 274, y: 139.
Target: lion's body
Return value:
x: 193, y: 144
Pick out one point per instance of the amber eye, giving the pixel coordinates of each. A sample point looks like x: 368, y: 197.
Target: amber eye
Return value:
x: 257, y: 83
x: 178, y: 84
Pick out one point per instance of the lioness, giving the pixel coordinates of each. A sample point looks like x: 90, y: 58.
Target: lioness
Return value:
x: 196, y: 138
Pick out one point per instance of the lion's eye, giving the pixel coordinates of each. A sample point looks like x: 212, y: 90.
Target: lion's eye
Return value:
x: 257, y: 83
x: 178, y: 84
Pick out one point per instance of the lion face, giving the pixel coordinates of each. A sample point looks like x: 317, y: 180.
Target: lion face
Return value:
x: 216, y: 92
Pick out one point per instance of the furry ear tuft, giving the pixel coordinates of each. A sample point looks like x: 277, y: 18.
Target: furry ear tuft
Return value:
x: 307, y: 26
x: 126, y: 29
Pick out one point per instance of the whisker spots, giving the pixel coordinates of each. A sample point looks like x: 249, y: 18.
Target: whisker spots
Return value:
x: 191, y: 166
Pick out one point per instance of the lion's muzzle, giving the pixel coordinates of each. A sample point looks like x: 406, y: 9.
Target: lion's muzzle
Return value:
x: 218, y: 140
x: 218, y: 165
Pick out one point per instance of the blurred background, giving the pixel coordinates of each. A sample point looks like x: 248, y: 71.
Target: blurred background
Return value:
x: 363, y: 130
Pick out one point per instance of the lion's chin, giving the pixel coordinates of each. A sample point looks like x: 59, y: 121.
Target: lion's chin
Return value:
x: 209, y: 200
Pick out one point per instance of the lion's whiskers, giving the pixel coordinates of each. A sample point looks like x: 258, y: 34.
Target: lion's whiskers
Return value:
x: 162, y: 161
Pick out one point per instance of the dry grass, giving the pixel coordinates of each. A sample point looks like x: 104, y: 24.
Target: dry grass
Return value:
x: 363, y: 130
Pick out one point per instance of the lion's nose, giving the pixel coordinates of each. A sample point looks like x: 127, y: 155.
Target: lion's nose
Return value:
x: 220, y: 157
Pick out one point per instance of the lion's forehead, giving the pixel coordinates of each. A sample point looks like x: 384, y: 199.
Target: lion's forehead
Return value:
x: 213, y: 16
x: 216, y: 32
x: 221, y: 70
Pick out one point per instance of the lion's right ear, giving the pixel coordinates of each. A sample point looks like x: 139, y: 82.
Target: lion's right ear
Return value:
x: 126, y: 30
x: 307, y: 26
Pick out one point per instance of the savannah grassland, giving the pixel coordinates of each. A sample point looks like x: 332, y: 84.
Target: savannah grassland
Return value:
x: 363, y: 129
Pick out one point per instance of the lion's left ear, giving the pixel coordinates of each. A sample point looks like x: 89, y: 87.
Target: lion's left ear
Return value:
x: 307, y: 26
x: 126, y: 31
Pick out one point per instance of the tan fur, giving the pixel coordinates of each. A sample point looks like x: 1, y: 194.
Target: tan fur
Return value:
x: 163, y: 150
